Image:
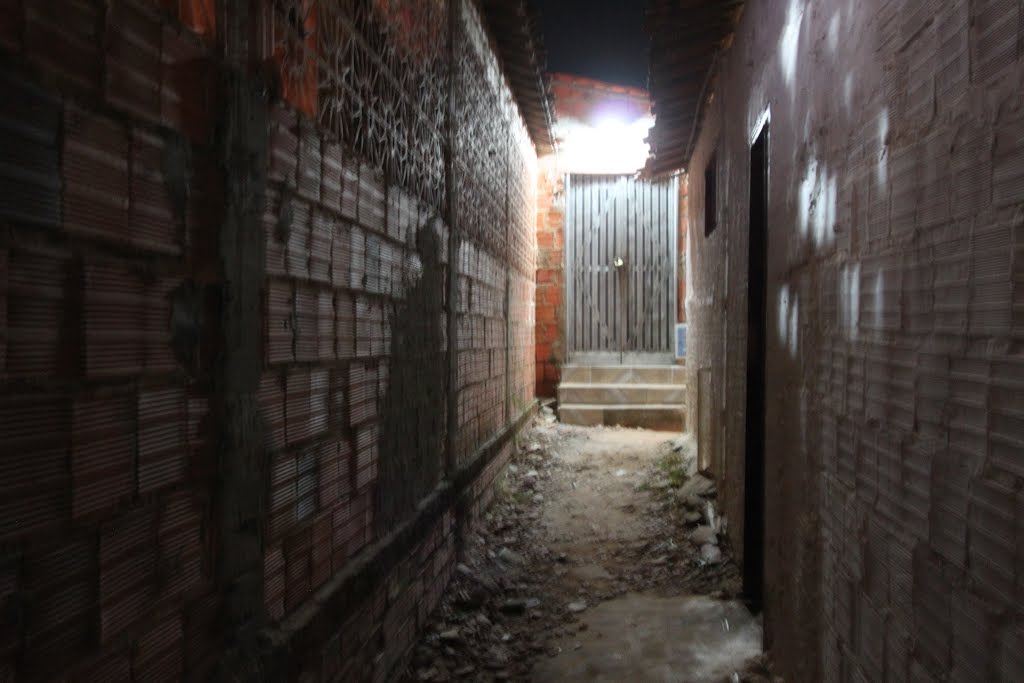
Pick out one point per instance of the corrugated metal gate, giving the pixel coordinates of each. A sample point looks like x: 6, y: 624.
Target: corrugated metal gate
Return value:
x: 620, y: 244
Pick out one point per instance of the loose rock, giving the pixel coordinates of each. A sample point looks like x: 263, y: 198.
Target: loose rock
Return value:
x: 697, y: 485
x: 510, y: 556
x: 450, y: 636
x: 513, y: 606
x: 711, y: 554
x: 704, y: 535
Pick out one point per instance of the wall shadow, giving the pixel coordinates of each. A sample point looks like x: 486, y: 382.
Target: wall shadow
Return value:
x: 413, y: 411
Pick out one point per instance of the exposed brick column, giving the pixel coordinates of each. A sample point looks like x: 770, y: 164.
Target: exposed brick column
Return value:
x: 550, y: 278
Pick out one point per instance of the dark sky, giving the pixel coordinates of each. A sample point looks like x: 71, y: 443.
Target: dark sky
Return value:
x: 602, y: 39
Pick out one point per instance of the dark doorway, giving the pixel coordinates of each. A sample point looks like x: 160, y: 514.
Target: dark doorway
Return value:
x: 754, y: 496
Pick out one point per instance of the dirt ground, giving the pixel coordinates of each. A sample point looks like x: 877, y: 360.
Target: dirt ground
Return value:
x: 588, y: 566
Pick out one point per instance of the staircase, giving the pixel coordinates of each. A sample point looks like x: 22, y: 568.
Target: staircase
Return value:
x: 650, y: 396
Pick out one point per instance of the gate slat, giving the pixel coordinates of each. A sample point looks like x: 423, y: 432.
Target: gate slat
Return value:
x: 645, y: 284
x: 613, y: 284
x: 635, y: 262
x: 592, y: 226
x: 571, y: 201
x: 634, y: 275
x: 606, y: 268
x: 588, y: 209
x: 631, y: 263
x: 656, y: 267
x: 567, y: 256
x: 605, y: 200
x: 584, y: 260
x: 666, y: 296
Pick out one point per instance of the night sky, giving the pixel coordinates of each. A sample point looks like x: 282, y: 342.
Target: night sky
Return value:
x: 602, y: 39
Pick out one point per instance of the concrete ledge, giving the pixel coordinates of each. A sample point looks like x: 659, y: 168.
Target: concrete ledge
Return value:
x: 670, y: 418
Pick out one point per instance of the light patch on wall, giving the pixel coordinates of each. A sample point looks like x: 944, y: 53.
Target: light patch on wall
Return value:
x: 882, y: 169
x: 794, y: 319
x: 849, y: 300
x: 806, y: 195
x: 788, y: 320
x: 791, y: 41
x: 848, y: 90
x: 609, y: 146
x: 825, y: 209
x: 833, y: 33
x: 879, y: 295
x: 817, y: 199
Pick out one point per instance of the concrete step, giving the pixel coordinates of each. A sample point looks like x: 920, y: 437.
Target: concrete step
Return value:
x: 624, y: 374
x: 670, y: 418
x: 570, y: 393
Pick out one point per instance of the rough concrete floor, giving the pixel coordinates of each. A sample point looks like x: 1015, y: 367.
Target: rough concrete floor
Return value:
x: 585, y: 570
x: 638, y: 636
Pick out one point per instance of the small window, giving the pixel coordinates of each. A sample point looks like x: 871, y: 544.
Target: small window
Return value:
x: 711, y: 196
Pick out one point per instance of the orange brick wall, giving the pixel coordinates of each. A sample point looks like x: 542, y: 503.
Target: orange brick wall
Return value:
x: 587, y: 100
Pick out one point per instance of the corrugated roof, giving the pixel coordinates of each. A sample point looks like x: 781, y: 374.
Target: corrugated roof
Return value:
x: 516, y: 31
x: 686, y: 38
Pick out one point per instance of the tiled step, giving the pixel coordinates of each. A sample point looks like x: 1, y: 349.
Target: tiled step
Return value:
x: 654, y: 416
x: 624, y: 374
x: 620, y: 394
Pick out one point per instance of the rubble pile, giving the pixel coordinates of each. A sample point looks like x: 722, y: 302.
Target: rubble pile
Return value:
x: 498, y: 612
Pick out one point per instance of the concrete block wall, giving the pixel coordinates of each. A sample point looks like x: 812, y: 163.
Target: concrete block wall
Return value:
x: 894, y: 429
x: 239, y: 431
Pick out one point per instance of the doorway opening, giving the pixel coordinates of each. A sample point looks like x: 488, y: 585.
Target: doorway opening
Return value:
x: 754, y: 493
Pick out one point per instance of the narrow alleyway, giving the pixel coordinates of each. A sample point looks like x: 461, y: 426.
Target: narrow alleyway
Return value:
x: 598, y: 562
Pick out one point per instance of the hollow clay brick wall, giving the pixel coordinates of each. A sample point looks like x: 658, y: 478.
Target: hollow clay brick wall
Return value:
x: 894, y: 417
x: 229, y: 433
x: 108, y: 195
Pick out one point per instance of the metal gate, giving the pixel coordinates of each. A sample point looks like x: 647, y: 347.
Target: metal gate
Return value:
x: 620, y: 244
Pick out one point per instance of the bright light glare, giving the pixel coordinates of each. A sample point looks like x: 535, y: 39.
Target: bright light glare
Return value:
x: 791, y: 40
x: 612, y: 146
